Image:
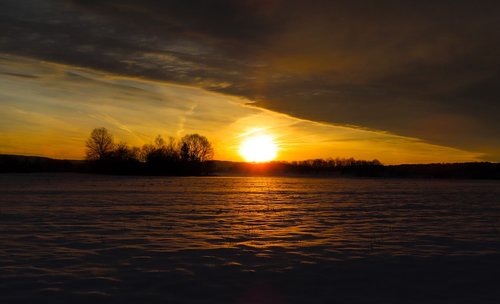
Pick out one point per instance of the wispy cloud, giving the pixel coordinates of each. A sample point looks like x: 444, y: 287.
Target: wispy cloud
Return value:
x: 412, y: 69
x: 55, y: 119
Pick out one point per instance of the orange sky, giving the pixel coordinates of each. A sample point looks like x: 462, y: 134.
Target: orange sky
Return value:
x: 49, y: 109
x: 393, y: 80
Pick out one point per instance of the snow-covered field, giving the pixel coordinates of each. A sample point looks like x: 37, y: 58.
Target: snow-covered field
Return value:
x: 70, y: 238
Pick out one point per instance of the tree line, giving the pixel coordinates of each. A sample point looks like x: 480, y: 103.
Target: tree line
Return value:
x: 193, y: 153
x: 189, y: 155
x: 324, y: 167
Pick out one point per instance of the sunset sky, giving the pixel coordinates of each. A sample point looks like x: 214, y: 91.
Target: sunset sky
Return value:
x: 399, y: 81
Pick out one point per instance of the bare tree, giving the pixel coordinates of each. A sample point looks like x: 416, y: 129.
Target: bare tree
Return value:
x: 100, y: 144
x: 159, y: 142
x: 160, y: 151
x: 122, y: 152
x: 195, y: 147
x: 172, y: 148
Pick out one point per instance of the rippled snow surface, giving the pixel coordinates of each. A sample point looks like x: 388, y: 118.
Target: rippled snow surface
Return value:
x: 84, y: 238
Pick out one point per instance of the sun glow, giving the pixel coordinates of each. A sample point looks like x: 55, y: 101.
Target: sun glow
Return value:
x: 259, y: 148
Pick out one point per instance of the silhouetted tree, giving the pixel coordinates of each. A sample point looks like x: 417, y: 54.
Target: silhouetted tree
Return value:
x: 123, y: 153
x: 99, y: 145
x: 161, y: 151
x: 162, y: 157
x: 187, y: 156
x: 171, y: 149
x: 145, y: 151
x: 196, y: 148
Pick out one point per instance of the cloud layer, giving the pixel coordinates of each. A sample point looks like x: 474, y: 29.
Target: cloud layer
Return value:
x: 426, y: 69
x: 49, y: 109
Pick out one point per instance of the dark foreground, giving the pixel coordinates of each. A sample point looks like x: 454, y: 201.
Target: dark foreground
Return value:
x: 69, y: 238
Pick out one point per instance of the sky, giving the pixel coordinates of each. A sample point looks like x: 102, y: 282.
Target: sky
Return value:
x: 399, y: 81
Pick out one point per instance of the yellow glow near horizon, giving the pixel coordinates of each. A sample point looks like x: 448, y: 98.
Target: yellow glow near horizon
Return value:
x: 259, y: 148
x: 49, y: 109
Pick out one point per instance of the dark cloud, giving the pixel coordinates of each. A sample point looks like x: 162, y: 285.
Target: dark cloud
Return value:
x: 20, y: 75
x: 428, y: 69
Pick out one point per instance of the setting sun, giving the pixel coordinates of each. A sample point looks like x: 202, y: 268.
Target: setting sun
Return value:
x: 259, y: 148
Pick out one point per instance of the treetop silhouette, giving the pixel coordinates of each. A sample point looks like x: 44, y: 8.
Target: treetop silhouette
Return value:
x: 100, y: 144
x: 187, y: 156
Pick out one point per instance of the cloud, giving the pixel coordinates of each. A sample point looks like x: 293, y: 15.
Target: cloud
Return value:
x: 52, y: 113
x: 426, y: 69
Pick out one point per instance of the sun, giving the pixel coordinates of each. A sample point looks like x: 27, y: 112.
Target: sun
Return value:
x: 259, y: 148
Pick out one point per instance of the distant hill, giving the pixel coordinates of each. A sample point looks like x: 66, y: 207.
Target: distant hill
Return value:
x: 21, y: 163
x: 477, y: 170
x: 317, y: 167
